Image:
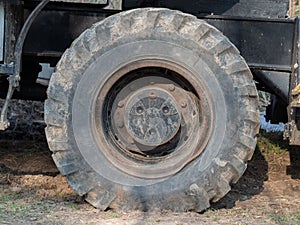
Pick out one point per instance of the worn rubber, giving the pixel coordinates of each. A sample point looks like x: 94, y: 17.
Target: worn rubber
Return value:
x: 191, y: 189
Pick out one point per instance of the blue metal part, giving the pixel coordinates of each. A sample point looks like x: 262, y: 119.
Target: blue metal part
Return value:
x: 6, y: 69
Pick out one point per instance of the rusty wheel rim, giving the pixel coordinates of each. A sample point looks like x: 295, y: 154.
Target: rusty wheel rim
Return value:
x: 152, y: 95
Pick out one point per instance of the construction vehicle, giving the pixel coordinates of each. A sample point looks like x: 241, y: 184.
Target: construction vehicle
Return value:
x: 151, y: 104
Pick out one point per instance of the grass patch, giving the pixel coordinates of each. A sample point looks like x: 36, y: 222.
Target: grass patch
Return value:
x: 112, y: 215
x: 14, y: 208
x: 272, y: 142
x: 291, y: 219
x: 73, y: 206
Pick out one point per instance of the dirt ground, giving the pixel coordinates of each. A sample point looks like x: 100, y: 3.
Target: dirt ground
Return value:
x: 33, y: 192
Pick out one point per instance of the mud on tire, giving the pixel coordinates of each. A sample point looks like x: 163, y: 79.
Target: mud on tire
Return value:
x: 103, y: 155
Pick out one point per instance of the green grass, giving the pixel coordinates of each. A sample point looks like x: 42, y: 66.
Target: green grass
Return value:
x: 73, y: 206
x: 272, y: 143
x: 290, y: 219
x: 14, y: 207
x: 112, y: 215
x: 9, y: 197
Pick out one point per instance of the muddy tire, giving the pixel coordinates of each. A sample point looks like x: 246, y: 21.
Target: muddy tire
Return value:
x: 152, y: 108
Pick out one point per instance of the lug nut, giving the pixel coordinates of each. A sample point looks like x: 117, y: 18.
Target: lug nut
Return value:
x: 120, y: 104
x: 152, y: 95
x: 183, y: 104
x: 171, y: 87
x: 120, y: 124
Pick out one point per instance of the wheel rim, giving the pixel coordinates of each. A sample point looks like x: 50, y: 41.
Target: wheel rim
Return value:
x: 123, y: 120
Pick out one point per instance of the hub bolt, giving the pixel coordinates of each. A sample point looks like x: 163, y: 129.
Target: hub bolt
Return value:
x: 165, y: 109
x: 120, y: 104
x: 152, y: 95
x: 171, y: 87
x: 183, y: 104
x: 120, y: 124
x: 139, y: 109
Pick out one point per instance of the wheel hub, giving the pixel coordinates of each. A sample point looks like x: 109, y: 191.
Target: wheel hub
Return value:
x: 152, y: 116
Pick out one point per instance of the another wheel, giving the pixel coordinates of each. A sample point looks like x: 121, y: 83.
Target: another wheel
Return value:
x: 152, y: 108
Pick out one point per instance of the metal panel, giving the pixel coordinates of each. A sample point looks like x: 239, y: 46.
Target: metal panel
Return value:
x: 83, y: 1
x: 111, y: 4
x: 61, y: 26
x: 244, y: 8
x: 1, y: 30
x: 266, y: 44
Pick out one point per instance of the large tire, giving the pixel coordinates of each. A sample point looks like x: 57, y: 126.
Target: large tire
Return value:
x: 207, y: 146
